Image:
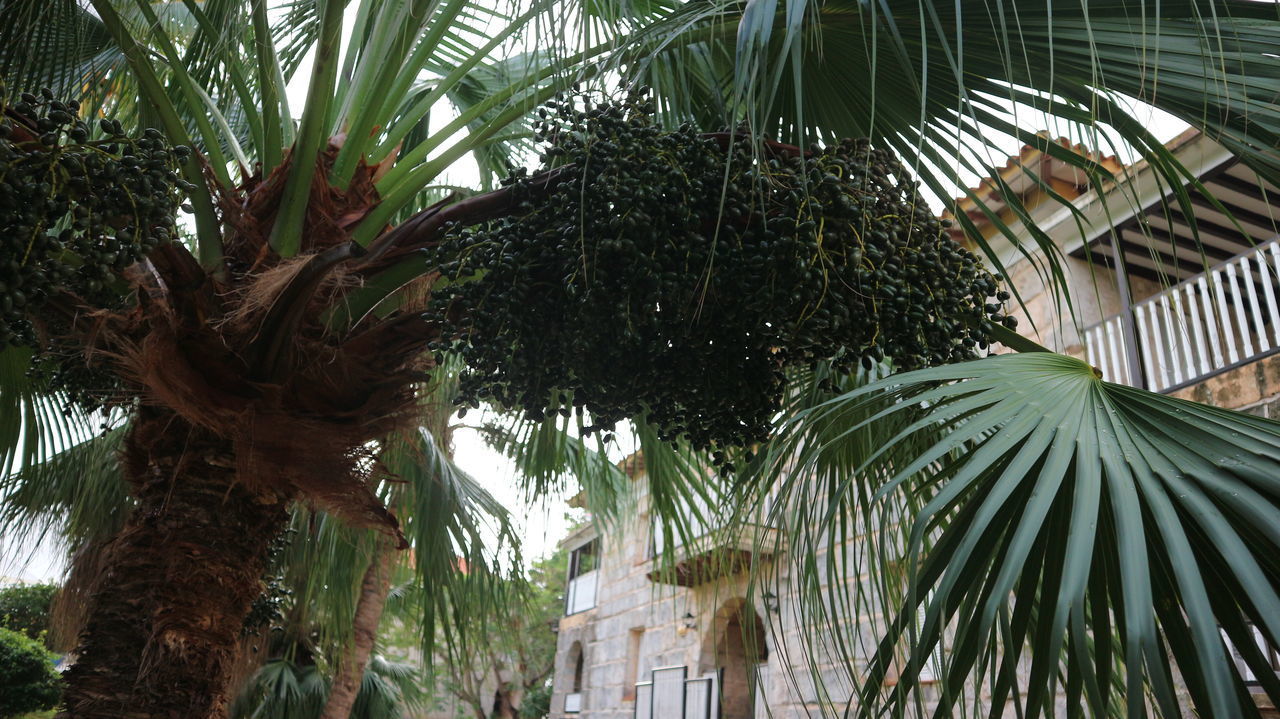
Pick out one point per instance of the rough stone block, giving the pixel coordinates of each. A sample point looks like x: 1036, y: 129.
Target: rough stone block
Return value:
x: 1268, y: 373
x: 1194, y: 393
x: 1234, y: 389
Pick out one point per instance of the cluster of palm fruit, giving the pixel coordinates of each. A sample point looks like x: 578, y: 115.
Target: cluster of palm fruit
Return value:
x: 676, y: 276
x: 78, y: 203
x: 267, y: 611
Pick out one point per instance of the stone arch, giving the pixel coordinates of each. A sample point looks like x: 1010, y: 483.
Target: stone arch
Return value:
x: 734, y: 645
x: 575, y: 666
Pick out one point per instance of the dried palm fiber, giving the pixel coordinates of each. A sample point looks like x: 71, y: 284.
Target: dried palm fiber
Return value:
x: 299, y: 432
x: 250, y: 210
x: 70, y: 607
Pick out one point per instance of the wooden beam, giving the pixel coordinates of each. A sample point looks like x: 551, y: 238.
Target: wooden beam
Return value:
x: 1127, y: 324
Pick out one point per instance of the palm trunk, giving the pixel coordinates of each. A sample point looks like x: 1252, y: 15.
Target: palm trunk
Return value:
x: 178, y: 581
x: 373, y: 598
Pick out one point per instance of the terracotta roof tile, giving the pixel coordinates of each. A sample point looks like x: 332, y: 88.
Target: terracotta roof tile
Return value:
x: 1012, y: 173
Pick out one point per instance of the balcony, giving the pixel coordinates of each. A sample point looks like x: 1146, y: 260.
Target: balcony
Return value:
x: 1261, y: 648
x: 710, y: 549
x: 1200, y: 327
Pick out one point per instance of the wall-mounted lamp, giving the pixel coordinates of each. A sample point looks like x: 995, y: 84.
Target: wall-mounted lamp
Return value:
x: 688, y: 623
x: 770, y: 601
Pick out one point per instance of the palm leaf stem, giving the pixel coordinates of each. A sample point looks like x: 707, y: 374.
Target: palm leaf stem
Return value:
x: 286, y: 233
x: 233, y: 64
x: 379, y: 70
x: 208, y: 236
x: 194, y: 97
x: 410, y: 117
x: 271, y: 152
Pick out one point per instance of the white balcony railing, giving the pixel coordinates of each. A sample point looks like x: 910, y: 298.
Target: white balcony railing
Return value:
x: 1263, y: 648
x: 580, y: 595
x: 1217, y: 319
x: 1106, y: 349
x: 573, y: 703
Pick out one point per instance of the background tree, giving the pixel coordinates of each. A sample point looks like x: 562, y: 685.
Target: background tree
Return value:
x: 508, y: 655
x: 28, y: 681
x: 259, y: 367
x: 25, y: 608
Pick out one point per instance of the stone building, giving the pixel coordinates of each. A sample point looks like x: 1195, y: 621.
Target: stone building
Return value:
x: 692, y: 638
x: 1150, y: 315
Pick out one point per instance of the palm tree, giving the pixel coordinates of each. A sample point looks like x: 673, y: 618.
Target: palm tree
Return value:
x: 269, y: 357
x: 307, y: 647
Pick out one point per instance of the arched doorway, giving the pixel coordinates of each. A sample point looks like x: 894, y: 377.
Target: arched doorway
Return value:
x: 577, y: 672
x: 575, y: 664
x: 735, y: 647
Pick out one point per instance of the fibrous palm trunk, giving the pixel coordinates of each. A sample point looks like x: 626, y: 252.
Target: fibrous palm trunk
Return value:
x: 167, y: 616
x: 249, y: 401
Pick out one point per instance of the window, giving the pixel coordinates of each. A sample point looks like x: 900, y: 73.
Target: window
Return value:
x: 583, y: 559
x: 580, y: 594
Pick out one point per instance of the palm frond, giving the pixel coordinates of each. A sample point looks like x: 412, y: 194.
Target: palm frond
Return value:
x: 1058, y: 522
x: 551, y: 453
x: 282, y: 689
x: 57, y: 44
x: 35, y: 423
x: 462, y: 539
x: 952, y: 90
x: 495, y: 156
x: 78, y: 495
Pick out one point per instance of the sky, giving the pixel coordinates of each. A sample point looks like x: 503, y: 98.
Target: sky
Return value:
x: 25, y: 561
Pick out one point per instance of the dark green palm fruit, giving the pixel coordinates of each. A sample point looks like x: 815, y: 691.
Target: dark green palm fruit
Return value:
x: 677, y: 276
x: 75, y: 210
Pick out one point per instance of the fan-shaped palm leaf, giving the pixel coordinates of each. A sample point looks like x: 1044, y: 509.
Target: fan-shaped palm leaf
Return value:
x: 282, y: 689
x: 1098, y: 534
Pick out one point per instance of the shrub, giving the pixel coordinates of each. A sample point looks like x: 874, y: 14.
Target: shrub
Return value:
x: 25, y: 608
x: 28, y: 681
x: 536, y: 703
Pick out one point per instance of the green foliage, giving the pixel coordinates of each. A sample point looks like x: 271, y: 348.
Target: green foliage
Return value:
x: 536, y: 703
x: 28, y: 681
x: 25, y: 608
x: 1091, y: 535
x: 285, y: 689
x: 514, y: 637
x: 934, y: 83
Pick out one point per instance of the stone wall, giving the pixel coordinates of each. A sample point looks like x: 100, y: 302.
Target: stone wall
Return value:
x: 638, y: 625
x: 1252, y: 388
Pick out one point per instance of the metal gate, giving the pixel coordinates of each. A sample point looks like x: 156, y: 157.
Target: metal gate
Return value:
x: 672, y: 694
